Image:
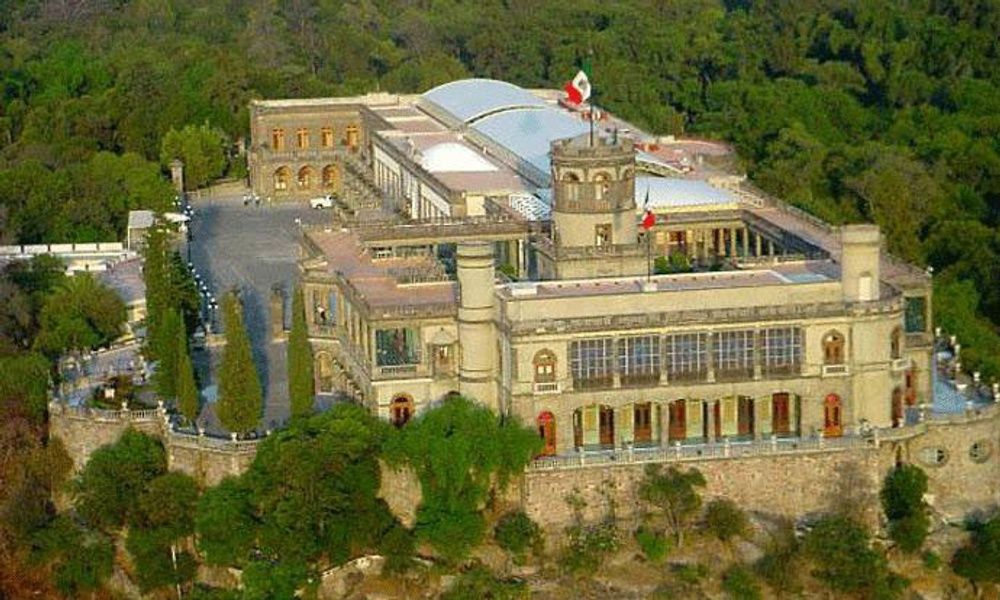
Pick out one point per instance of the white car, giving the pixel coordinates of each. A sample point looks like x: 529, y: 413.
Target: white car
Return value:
x: 322, y: 202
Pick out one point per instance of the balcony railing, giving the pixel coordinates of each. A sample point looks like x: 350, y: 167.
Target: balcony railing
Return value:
x: 546, y: 387
x: 900, y: 364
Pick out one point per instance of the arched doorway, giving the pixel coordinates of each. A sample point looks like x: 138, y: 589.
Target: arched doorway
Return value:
x: 547, y: 431
x: 642, y: 425
x: 607, y: 426
x: 677, y: 430
x: 897, y: 407
x: 832, y: 418
x: 331, y: 177
x: 305, y: 178
x: 281, y: 179
x: 401, y: 410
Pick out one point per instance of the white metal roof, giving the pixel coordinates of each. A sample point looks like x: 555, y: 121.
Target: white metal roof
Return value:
x: 529, y: 133
x: 668, y: 192
x: 469, y: 99
x: 453, y: 157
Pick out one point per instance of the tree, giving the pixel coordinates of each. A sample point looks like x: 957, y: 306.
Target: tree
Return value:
x: 164, y: 516
x: 240, y: 395
x: 460, y: 450
x: 200, y: 148
x: 167, y: 367
x: 82, y: 559
x: 844, y: 560
x: 80, y: 314
x: 187, y: 388
x: 301, y: 387
x: 108, y: 488
x: 902, y: 498
x: 673, y: 493
x: 225, y: 523
x: 725, y: 520
x: 978, y: 561
x: 24, y: 380
x: 516, y: 533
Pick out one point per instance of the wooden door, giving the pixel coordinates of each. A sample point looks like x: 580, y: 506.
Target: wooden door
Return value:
x: 547, y: 431
x: 780, y: 413
x: 607, y: 426
x: 745, y: 416
x: 578, y: 428
x: 678, y: 422
x: 717, y: 418
x: 643, y: 424
x: 832, y: 418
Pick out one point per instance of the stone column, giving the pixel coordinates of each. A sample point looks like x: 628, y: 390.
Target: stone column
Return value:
x: 710, y: 356
x: 476, y: 335
x: 756, y: 241
x: 745, y: 234
x: 732, y: 242
x: 710, y: 421
x: 177, y: 176
x: 770, y: 248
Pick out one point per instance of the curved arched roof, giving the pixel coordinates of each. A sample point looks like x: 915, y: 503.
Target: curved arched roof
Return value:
x: 470, y: 99
x: 448, y: 157
x: 529, y: 133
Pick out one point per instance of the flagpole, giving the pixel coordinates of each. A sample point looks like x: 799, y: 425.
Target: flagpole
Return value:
x: 649, y: 268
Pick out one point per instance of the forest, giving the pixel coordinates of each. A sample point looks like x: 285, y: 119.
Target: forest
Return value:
x: 854, y: 110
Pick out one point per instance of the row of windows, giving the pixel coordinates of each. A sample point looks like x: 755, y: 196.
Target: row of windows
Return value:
x: 303, y: 137
x: 306, y: 178
x: 687, y: 356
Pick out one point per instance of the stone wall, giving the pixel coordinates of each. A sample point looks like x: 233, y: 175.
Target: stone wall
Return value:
x: 961, y: 457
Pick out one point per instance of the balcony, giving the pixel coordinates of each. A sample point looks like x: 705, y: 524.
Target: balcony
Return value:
x: 401, y: 371
x: 546, y: 387
x: 900, y: 364
x: 836, y: 370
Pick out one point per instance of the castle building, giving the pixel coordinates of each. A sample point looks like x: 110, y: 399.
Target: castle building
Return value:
x: 486, y: 243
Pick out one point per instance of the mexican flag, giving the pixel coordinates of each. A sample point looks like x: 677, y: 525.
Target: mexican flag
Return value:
x: 649, y: 218
x: 578, y: 89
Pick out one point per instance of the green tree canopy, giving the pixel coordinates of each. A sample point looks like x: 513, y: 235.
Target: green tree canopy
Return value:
x: 301, y: 387
x: 240, y: 396
x: 200, y: 148
x: 674, y: 494
x: 80, y: 314
x: 459, y: 449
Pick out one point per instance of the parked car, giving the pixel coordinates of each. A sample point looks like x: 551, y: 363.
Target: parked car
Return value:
x: 322, y: 202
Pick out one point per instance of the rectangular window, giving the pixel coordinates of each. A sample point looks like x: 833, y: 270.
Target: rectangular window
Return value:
x: 687, y: 356
x: 916, y: 314
x: 278, y: 139
x: 734, y: 354
x: 590, y: 363
x: 639, y: 360
x: 352, y: 136
x: 602, y: 234
x: 397, y: 347
x: 302, y: 136
x: 782, y: 350
x: 326, y: 137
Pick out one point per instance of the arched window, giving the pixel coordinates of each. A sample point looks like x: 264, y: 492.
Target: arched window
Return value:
x: 833, y: 348
x: 896, y: 343
x: 330, y: 176
x: 281, y: 178
x: 547, y: 431
x: 600, y: 185
x: 305, y: 178
x: 571, y: 177
x: 545, y: 366
x: 401, y: 410
x: 278, y: 139
x: 352, y: 136
x: 324, y: 372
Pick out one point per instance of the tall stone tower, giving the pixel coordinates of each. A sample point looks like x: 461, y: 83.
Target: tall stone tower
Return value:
x: 476, y: 335
x: 593, y: 187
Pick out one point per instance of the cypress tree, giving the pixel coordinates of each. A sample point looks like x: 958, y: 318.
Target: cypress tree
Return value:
x: 155, y: 271
x: 301, y: 390
x: 187, y: 389
x: 166, y: 366
x: 240, y: 395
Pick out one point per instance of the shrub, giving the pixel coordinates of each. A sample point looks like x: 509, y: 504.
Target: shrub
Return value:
x: 902, y: 498
x: 725, y: 520
x: 516, y: 533
x: 740, y: 583
x: 932, y: 561
x: 979, y: 559
x: 690, y: 574
x: 839, y: 548
x: 397, y: 546
x: 654, y: 545
x: 673, y: 493
x: 589, y: 545
x: 478, y: 582
x: 779, y: 566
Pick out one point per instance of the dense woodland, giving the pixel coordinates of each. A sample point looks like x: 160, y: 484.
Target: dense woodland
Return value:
x: 855, y: 110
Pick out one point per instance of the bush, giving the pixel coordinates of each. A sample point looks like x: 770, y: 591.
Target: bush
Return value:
x: 516, y: 533
x: 478, y: 583
x: 589, y: 546
x: 655, y: 546
x: 845, y: 561
x: 902, y: 498
x: 779, y: 566
x: 740, y: 583
x: 725, y: 520
x: 979, y: 559
x: 397, y: 545
x: 690, y: 574
x: 932, y: 561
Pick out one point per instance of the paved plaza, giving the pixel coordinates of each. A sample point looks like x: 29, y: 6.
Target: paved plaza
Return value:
x: 251, y: 249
